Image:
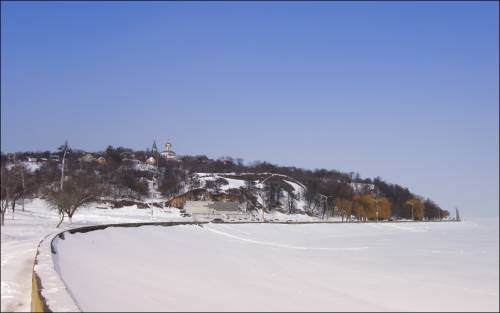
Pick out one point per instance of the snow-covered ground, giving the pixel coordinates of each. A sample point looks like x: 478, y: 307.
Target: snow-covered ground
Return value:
x: 309, y: 267
x: 29, y: 165
x: 421, y: 266
x: 232, y: 183
x: 21, y: 235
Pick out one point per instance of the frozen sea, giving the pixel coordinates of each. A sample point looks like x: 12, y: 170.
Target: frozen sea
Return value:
x: 449, y: 266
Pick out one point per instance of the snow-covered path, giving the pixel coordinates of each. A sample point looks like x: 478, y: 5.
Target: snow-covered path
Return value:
x: 20, y: 238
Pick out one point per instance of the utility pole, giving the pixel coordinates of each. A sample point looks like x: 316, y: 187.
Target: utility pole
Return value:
x: 155, y: 154
x: 325, y: 204
x: 155, y: 183
x: 412, y: 210
x: 62, y: 167
x: 376, y: 207
x: 22, y: 178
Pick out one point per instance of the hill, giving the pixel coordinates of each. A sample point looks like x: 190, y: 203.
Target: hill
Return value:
x: 121, y: 177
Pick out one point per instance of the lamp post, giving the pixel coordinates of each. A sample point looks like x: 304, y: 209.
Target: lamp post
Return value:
x: 24, y: 188
x: 412, y: 210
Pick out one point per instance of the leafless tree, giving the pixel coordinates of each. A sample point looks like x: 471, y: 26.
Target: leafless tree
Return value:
x: 13, y: 188
x: 291, y: 203
x: 5, y: 193
x: 79, y: 189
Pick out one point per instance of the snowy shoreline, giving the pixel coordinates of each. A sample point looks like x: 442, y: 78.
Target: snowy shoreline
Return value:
x: 21, y: 236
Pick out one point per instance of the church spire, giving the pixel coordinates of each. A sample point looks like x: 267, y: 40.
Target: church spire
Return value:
x: 154, y: 149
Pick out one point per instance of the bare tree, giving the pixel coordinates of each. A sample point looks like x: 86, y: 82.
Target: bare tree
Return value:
x: 13, y: 188
x: 16, y: 184
x: 328, y: 203
x: 194, y: 182
x: 79, y: 190
x: 218, y: 183
x: 291, y: 203
x: 5, y: 192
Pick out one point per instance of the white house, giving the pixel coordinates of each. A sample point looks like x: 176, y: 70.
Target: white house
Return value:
x: 168, y: 153
x: 88, y: 158
x: 227, y: 208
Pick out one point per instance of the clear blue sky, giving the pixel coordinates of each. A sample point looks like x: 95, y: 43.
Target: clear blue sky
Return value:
x: 405, y: 91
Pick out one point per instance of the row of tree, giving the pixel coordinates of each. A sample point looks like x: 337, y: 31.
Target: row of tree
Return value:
x: 70, y: 183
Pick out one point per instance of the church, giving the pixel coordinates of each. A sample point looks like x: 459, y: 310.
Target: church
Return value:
x: 168, y: 153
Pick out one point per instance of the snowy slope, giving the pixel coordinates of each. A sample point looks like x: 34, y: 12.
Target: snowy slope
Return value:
x: 264, y: 267
x: 234, y: 183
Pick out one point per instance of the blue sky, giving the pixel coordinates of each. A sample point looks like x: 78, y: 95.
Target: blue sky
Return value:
x: 406, y: 91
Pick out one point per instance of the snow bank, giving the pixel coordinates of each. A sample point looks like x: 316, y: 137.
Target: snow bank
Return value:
x: 54, y: 291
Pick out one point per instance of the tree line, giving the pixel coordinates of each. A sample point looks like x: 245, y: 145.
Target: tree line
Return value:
x: 77, y: 183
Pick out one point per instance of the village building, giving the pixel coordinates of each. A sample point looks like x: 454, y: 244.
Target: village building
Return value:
x: 228, y: 209
x: 168, y: 153
x: 87, y: 158
x: 101, y: 160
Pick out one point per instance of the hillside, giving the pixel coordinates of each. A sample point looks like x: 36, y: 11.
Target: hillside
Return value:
x: 120, y: 177
x: 251, y: 189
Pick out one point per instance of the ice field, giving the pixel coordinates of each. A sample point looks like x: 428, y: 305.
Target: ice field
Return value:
x: 254, y: 267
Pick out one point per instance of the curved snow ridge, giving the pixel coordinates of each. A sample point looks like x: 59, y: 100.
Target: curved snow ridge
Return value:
x: 280, y: 245
x: 54, y: 291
